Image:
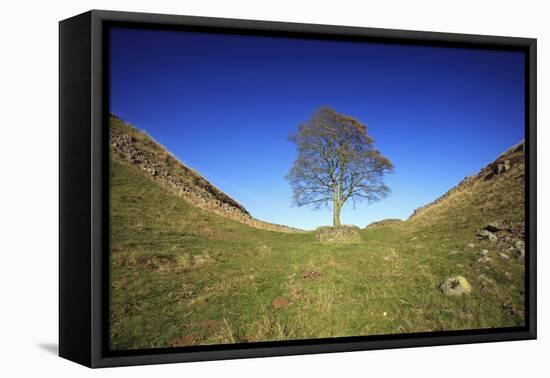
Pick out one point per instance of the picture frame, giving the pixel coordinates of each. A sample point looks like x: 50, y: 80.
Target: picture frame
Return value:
x: 84, y: 192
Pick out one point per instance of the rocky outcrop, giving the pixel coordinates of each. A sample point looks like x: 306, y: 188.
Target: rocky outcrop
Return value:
x: 507, y: 237
x: 140, y: 150
x: 501, y: 165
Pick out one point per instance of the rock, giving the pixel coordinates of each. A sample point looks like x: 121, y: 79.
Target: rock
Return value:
x: 457, y: 285
x: 484, y: 234
x: 471, y: 245
x: 484, y: 252
x: 495, y: 226
x: 504, y: 256
x: 339, y: 235
x: 519, y: 253
x: 509, y: 309
x: 518, y: 250
x: 485, y: 260
x: 413, y: 238
x: 519, y: 244
x: 502, y: 167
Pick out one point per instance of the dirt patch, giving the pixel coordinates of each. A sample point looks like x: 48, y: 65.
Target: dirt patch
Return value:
x: 263, y: 249
x: 184, y: 341
x: 156, y: 262
x: 202, y: 259
x: 280, y: 302
x: 207, y: 231
x: 210, y: 325
x: 311, y: 274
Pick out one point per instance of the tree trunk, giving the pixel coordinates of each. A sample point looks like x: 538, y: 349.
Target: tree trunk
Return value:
x: 336, y: 206
x: 336, y: 216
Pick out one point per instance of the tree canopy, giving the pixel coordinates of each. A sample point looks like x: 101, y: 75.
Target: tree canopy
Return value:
x: 336, y: 162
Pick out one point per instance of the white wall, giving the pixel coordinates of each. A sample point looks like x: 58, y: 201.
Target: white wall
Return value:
x: 28, y: 200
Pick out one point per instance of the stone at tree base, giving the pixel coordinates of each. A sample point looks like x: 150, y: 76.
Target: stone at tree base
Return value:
x: 456, y: 285
x: 338, y: 235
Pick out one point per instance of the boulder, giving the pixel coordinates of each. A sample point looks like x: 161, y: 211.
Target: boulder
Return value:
x: 485, y: 234
x: 495, y: 226
x: 456, y: 285
x: 518, y: 253
x: 338, y: 235
x: 485, y: 260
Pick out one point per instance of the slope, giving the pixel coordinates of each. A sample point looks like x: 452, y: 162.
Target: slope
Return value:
x: 130, y: 144
x: 184, y: 275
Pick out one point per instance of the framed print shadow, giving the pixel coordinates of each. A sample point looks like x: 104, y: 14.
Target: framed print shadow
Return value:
x: 235, y: 188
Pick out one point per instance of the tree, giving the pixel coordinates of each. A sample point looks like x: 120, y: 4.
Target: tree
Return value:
x: 336, y: 162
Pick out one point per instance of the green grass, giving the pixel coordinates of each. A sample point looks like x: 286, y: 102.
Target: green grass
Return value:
x: 182, y: 276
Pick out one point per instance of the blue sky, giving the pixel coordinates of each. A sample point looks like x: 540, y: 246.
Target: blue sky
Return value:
x: 225, y: 104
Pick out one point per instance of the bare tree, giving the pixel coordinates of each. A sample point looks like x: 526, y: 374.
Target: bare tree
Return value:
x: 336, y: 162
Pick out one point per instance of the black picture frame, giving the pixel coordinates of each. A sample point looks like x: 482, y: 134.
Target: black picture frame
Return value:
x: 83, y: 195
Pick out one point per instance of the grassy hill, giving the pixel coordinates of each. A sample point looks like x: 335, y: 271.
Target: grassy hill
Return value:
x: 184, y: 274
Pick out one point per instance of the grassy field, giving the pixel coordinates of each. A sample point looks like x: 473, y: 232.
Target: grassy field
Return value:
x: 183, y: 276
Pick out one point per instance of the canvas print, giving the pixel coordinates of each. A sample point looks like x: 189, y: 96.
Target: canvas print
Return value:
x: 268, y: 188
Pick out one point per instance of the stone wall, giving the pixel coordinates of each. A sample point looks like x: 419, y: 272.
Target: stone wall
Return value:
x: 345, y: 234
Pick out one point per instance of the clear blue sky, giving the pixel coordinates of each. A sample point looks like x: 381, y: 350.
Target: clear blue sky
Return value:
x: 225, y: 104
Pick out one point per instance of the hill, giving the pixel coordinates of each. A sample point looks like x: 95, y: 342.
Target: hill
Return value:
x: 508, y: 168
x: 185, y: 273
x: 384, y: 222
x: 134, y: 146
